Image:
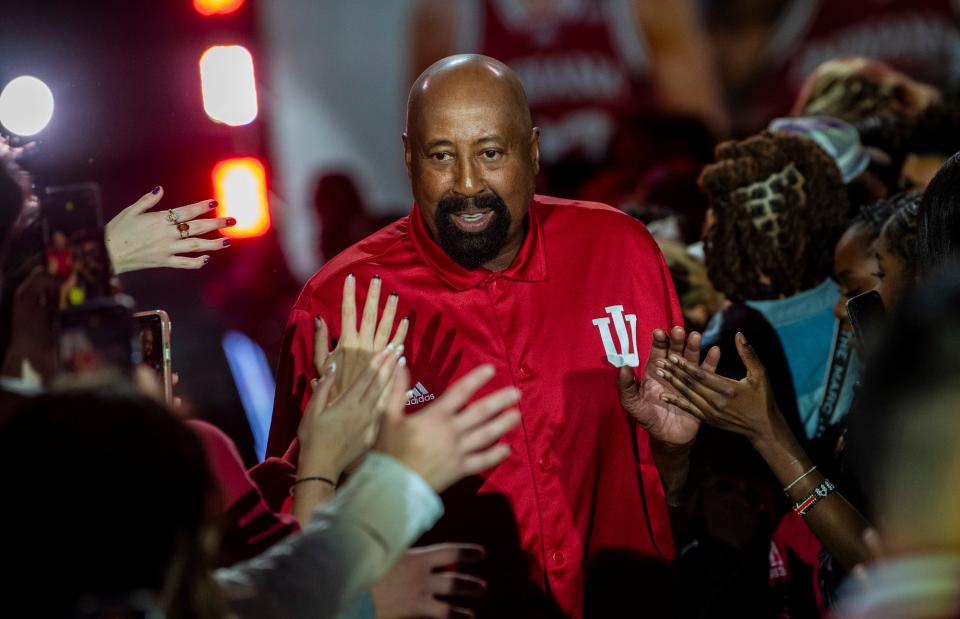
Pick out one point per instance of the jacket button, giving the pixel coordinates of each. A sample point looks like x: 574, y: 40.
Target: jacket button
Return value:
x: 558, y: 557
x: 525, y: 371
x: 546, y: 464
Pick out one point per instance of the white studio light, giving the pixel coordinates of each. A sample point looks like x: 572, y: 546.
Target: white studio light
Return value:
x: 228, y: 85
x: 26, y: 106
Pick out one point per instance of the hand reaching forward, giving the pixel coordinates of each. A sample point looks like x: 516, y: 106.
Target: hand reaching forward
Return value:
x: 662, y: 419
x: 138, y: 240
x: 334, y: 433
x: 746, y: 407
x: 410, y: 587
x: 357, y: 346
x: 446, y: 442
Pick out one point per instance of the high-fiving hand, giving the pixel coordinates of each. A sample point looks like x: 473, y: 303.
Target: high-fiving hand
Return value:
x: 357, y: 345
x: 662, y: 419
x: 747, y: 407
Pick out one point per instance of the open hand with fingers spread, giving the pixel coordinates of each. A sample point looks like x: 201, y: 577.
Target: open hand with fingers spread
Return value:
x: 410, y: 588
x: 447, y: 441
x: 137, y: 239
x: 662, y: 419
x: 357, y: 345
x: 747, y: 407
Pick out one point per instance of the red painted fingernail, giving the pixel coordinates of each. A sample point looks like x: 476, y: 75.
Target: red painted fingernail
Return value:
x: 376, y: 277
x: 226, y: 242
x: 206, y: 259
x: 394, y: 294
x: 231, y: 221
x: 156, y: 190
x: 212, y: 203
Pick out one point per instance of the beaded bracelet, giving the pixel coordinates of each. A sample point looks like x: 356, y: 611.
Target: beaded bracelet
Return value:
x: 820, y: 492
x: 320, y: 479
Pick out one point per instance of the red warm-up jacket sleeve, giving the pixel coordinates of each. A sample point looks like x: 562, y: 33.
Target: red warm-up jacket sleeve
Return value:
x: 249, y: 526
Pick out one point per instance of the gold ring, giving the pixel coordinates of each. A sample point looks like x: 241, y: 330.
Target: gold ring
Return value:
x: 184, y: 230
x: 172, y: 216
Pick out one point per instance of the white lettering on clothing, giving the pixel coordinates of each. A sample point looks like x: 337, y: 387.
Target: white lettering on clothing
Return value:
x: 625, y: 354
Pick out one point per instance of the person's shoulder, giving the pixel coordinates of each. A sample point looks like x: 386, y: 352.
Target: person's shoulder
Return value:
x: 592, y: 221
x: 388, y: 245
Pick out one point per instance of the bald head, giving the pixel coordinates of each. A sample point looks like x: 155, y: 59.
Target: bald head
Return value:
x: 454, y: 77
x: 472, y: 154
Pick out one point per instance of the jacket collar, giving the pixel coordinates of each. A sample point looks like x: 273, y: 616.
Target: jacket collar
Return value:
x: 530, y: 264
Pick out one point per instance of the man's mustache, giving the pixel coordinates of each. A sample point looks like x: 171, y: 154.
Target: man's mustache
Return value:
x: 451, y: 205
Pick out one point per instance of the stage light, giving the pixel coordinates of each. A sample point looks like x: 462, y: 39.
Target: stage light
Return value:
x: 216, y: 7
x: 240, y: 186
x: 228, y: 85
x: 26, y: 105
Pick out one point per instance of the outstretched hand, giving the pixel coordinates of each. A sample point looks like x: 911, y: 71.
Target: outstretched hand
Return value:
x: 357, y: 345
x: 747, y: 407
x: 137, y: 239
x: 335, y: 432
x: 661, y: 418
x: 448, y: 440
x: 410, y: 587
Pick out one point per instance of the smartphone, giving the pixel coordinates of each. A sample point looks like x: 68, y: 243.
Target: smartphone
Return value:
x: 97, y: 340
x: 867, y: 315
x: 75, y: 251
x: 153, y: 328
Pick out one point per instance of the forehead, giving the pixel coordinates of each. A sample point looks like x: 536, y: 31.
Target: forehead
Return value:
x: 465, y: 113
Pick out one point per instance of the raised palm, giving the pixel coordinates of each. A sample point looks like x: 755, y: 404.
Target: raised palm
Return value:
x: 644, y: 401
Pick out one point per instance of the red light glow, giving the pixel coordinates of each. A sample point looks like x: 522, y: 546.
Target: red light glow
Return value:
x: 216, y: 7
x: 240, y: 187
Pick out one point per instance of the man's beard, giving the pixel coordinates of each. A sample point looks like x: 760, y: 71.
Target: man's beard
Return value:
x: 472, y: 249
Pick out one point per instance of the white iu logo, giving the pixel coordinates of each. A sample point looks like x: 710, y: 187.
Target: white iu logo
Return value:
x: 625, y: 355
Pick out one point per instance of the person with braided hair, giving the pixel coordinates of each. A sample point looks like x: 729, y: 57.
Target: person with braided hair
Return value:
x: 779, y: 206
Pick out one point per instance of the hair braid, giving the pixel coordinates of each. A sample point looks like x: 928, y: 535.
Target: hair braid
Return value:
x: 794, y: 251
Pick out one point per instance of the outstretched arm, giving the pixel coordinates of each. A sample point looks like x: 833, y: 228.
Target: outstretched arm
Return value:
x: 747, y: 407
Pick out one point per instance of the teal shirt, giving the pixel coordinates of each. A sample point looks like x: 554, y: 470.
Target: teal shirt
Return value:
x: 823, y: 366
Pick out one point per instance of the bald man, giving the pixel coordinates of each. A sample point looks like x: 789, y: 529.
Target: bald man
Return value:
x: 561, y: 297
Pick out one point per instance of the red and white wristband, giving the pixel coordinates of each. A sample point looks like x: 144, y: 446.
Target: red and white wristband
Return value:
x: 822, y: 491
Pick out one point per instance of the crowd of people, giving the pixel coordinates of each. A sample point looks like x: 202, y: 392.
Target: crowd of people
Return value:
x: 507, y: 404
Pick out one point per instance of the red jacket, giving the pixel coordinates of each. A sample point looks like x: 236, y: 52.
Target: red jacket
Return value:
x: 580, y: 487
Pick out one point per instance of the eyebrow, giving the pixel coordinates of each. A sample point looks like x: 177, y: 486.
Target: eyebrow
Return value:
x: 445, y: 142
x: 436, y: 143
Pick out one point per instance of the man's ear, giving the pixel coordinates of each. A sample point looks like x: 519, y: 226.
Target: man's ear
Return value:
x: 535, y: 149
x: 407, y: 153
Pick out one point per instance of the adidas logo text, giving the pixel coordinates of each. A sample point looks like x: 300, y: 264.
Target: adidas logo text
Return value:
x: 418, y: 395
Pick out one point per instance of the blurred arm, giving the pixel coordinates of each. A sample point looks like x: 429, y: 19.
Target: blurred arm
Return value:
x: 350, y: 542
x: 684, y: 76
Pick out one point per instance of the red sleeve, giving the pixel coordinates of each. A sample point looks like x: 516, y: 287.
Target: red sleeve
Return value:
x: 249, y: 526
x: 294, y: 373
x: 658, y: 513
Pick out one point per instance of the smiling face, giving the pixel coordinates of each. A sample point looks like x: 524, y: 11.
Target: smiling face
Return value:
x: 854, y: 268
x: 472, y: 156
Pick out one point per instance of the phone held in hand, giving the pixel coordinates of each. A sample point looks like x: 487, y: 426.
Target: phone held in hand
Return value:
x: 866, y: 314
x: 153, y: 329
x: 75, y: 250
x: 97, y: 342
